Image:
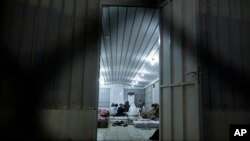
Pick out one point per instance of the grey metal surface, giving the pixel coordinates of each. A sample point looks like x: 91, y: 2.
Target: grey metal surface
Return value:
x: 104, y: 97
x: 50, y: 55
x: 225, y: 65
x: 138, y: 93
x: 52, y: 42
x: 179, y: 95
x: 225, y: 51
x: 129, y: 38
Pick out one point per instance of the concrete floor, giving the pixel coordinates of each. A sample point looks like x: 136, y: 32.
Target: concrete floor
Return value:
x: 129, y: 133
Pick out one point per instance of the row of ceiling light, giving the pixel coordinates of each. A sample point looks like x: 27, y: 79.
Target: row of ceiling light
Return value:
x: 151, y: 60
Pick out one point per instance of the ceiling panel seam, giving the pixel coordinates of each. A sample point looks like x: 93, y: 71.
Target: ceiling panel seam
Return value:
x: 127, y: 73
x: 119, y: 79
x: 142, y: 43
x: 128, y: 43
x: 145, y: 63
x: 155, y: 30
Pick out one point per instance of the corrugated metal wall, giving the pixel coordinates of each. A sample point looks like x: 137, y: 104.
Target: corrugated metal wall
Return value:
x: 46, y: 39
x: 148, y: 96
x: 139, y: 95
x: 104, y: 97
x: 157, y: 92
x: 50, y: 57
x: 225, y: 65
x: 225, y: 49
x: 179, y: 96
x: 152, y: 94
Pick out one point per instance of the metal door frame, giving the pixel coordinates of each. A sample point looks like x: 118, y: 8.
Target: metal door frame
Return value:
x: 183, y: 84
x: 157, y: 5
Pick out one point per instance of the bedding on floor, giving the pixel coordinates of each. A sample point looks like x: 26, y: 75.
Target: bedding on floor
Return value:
x: 146, y: 123
x: 120, y: 118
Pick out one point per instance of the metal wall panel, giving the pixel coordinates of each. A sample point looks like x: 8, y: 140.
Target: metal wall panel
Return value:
x: 148, y: 96
x: 104, y: 97
x: 152, y: 94
x: 157, y: 92
x: 224, y: 49
x: 69, y: 124
x: 139, y: 95
x: 46, y: 39
x: 179, y: 95
x: 92, y: 55
x: 77, y: 57
x: 50, y: 55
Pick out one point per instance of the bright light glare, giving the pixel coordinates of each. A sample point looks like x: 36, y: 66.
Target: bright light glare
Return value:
x: 142, y: 74
x: 152, y: 61
x: 101, y: 80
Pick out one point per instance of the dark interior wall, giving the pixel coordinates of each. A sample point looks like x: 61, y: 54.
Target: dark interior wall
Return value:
x: 49, y: 60
x: 225, y: 40
x: 225, y: 65
x: 45, y: 41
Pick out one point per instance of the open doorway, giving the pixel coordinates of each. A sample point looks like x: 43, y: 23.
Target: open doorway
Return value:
x: 178, y: 81
x: 129, y: 73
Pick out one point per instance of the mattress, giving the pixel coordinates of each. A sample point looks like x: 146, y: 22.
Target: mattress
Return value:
x: 112, y: 118
x: 146, y: 123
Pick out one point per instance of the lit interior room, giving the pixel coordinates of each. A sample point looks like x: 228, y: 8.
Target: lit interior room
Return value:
x: 129, y: 73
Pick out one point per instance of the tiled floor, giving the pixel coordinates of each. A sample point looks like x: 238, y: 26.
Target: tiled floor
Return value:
x: 129, y: 133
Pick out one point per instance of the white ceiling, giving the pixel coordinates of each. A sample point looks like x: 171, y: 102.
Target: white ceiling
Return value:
x: 130, y: 39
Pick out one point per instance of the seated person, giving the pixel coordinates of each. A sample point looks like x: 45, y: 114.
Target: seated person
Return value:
x: 132, y: 110
x: 113, y: 109
x: 126, y: 106
x: 143, y: 110
x: 140, y: 104
x: 121, y: 110
x: 153, y: 113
